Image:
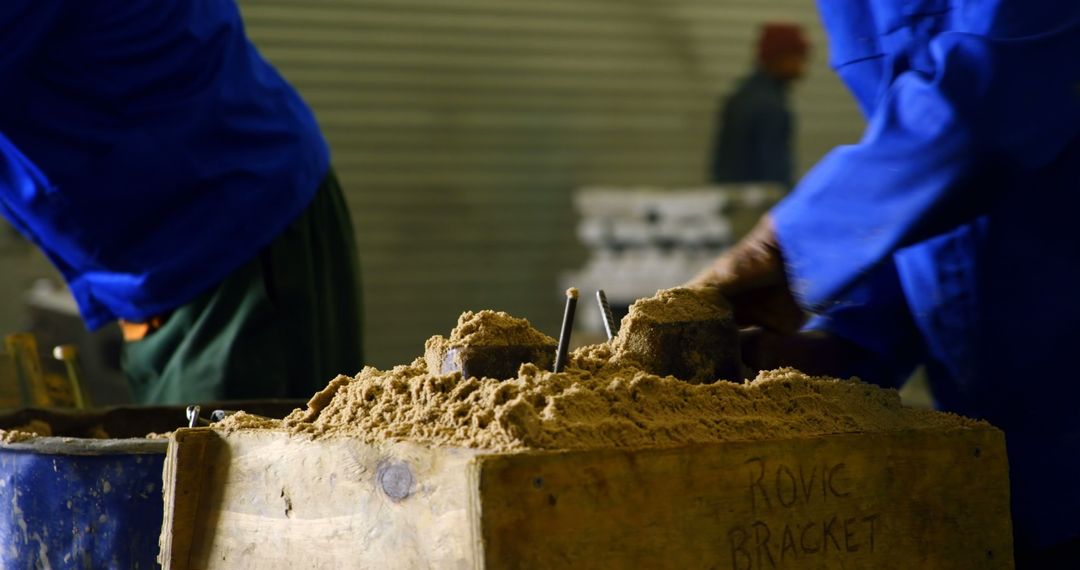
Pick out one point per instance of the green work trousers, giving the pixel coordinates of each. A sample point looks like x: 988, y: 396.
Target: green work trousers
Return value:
x: 280, y: 326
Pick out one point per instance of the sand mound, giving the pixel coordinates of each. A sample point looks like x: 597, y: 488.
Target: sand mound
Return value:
x: 602, y: 400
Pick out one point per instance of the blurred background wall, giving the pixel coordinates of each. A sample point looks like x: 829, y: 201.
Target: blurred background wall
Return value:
x: 461, y: 128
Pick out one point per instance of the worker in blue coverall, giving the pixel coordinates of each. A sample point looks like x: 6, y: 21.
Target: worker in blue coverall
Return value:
x: 753, y: 141
x: 183, y: 188
x: 947, y: 236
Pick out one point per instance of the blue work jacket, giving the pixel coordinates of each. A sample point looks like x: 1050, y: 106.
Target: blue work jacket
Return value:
x: 948, y: 234
x: 147, y: 147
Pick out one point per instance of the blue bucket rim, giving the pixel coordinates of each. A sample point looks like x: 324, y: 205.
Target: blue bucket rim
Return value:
x: 87, y: 446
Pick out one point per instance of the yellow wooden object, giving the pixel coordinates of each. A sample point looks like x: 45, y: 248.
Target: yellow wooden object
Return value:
x: 31, y: 379
x: 11, y: 395
x: 906, y: 499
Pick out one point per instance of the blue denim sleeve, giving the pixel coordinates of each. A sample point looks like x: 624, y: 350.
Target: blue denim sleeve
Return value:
x: 24, y: 25
x: 20, y: 182
x: 989, y: 101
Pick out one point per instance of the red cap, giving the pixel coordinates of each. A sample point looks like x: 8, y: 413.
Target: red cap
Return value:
x: 781, y: 39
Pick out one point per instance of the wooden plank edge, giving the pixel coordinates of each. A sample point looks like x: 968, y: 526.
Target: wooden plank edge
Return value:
x: 182, y: 484
x: 474, y: 510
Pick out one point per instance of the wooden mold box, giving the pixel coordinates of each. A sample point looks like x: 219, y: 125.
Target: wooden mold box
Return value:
x: 906, y: 499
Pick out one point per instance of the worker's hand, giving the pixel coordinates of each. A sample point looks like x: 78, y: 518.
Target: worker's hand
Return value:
x: 750, y: 276
x: 817, y: 353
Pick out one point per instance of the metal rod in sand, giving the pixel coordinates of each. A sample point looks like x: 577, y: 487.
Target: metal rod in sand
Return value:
x: 567, y: 326
x: 605, y: 310
x: 69, y: 355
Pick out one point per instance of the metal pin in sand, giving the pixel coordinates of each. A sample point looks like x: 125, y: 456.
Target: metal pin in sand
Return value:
x: 194, y: 416
x: 605, y: 310
x: 69, y: 355
x: 192, y: 413
x: 567, y: 326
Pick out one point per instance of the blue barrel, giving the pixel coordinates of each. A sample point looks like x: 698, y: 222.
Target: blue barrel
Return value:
x: 80, y: 503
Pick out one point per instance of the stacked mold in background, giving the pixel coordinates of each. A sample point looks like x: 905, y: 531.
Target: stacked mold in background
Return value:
x: 644, y: 239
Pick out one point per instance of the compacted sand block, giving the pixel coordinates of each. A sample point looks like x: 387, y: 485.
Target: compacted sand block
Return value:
x: 677, y: 333
x: 605, y: 465
x: 488, y: 345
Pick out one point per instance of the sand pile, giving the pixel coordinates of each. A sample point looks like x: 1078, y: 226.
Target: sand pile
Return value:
x: 40, y: 428
x: 602, y: 399
x: 35, y: 428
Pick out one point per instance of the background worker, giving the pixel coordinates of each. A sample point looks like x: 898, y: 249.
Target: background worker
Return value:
x: 180, y: 185
x: 945, y: 237
x: 754, y: 139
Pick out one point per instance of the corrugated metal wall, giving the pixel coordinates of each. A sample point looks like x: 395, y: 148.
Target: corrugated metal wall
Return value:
x: 460, y: 129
